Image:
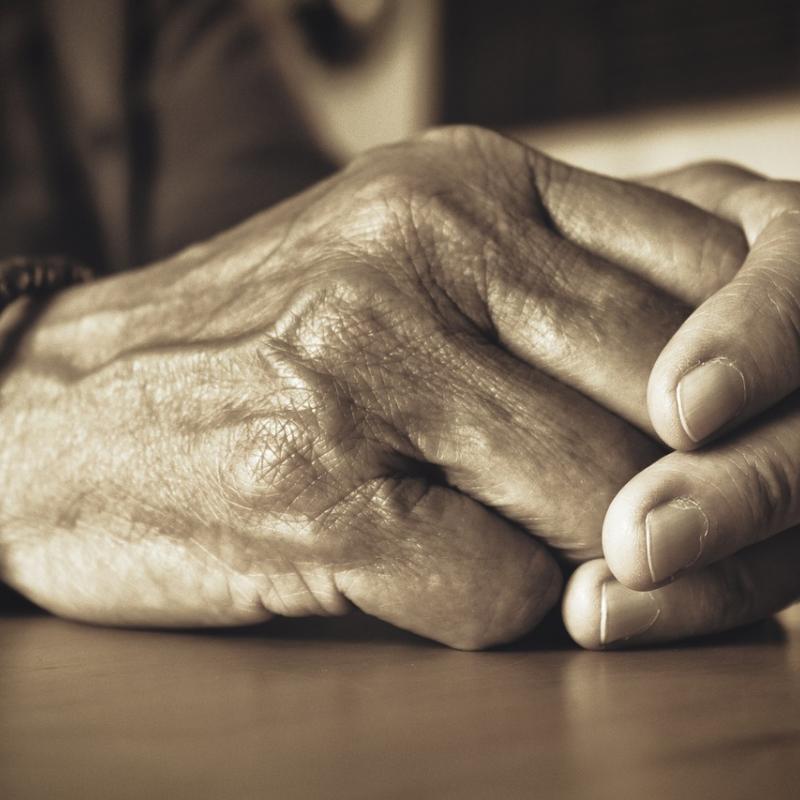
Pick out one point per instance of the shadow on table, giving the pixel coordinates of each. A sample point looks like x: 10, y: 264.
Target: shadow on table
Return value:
x: 14, y: 604
x: 356, y: 627
x: 549, y: 636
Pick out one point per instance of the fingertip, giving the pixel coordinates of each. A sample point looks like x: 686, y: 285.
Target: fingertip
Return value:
x: 662, y: 401
x: 581, y: 607
x: 693, y: 397
x: 624, y: 536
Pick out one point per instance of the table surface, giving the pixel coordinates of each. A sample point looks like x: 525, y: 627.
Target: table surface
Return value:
x: 355, y: 709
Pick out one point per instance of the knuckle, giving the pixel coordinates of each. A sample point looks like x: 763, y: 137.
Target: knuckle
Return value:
x: 394, y: 214
x: 430, y: 211
x: 363, y: 337
x: 298, y: 471
x: 390, y: 189
x: 477, y: 157
x: 299, y: 489
x: 380, y: 219
x: 302, y: 449
x: 272, y: 464
x: 346, y: 315
x: 487, y: 164
x: 459, y: 136
x: 388, y: 184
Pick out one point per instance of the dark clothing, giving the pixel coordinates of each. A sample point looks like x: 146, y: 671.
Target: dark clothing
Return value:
x: 130, y: 128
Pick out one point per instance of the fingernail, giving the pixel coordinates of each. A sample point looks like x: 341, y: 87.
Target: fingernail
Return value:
x: 625, y: 613
x: 709, y: 396
x: 674, y: 536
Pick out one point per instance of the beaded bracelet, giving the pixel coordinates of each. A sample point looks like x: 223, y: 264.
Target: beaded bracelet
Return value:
x: 38, y: 276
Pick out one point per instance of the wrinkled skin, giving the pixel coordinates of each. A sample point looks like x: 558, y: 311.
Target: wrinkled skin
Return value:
x: 414, y: 388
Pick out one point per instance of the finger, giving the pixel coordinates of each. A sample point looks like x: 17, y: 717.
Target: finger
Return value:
x: 601, y: 613
x: 439, y: 564
x: 580, y: 319
x: 739, y: 353
x: 673, y: 244
x: 692, y: 509
x: 552, y: 296
x: 706, y: 184
x: 444, y: 400
x: 533, y: 449
x: 557, y: 300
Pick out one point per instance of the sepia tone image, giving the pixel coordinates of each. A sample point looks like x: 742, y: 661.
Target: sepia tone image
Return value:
x: 399, y: 399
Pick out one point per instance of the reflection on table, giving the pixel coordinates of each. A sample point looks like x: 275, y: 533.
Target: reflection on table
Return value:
x: 353, y: 708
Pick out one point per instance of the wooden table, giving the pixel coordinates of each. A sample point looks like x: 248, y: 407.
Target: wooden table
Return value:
x: 351, y: 708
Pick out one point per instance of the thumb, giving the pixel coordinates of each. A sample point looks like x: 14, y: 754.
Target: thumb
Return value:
x: 739, y: 352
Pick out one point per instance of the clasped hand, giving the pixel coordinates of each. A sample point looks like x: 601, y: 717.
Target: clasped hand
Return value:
x: 414, y: 389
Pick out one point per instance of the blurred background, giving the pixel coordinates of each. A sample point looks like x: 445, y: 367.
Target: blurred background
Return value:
x: 132, y: 128
x: 620, y: 86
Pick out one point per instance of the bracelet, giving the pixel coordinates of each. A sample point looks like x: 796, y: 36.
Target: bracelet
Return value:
x: 38, y: 275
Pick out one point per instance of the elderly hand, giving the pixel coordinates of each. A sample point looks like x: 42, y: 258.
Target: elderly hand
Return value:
x: 720, y: 513
x: 391, y: 391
